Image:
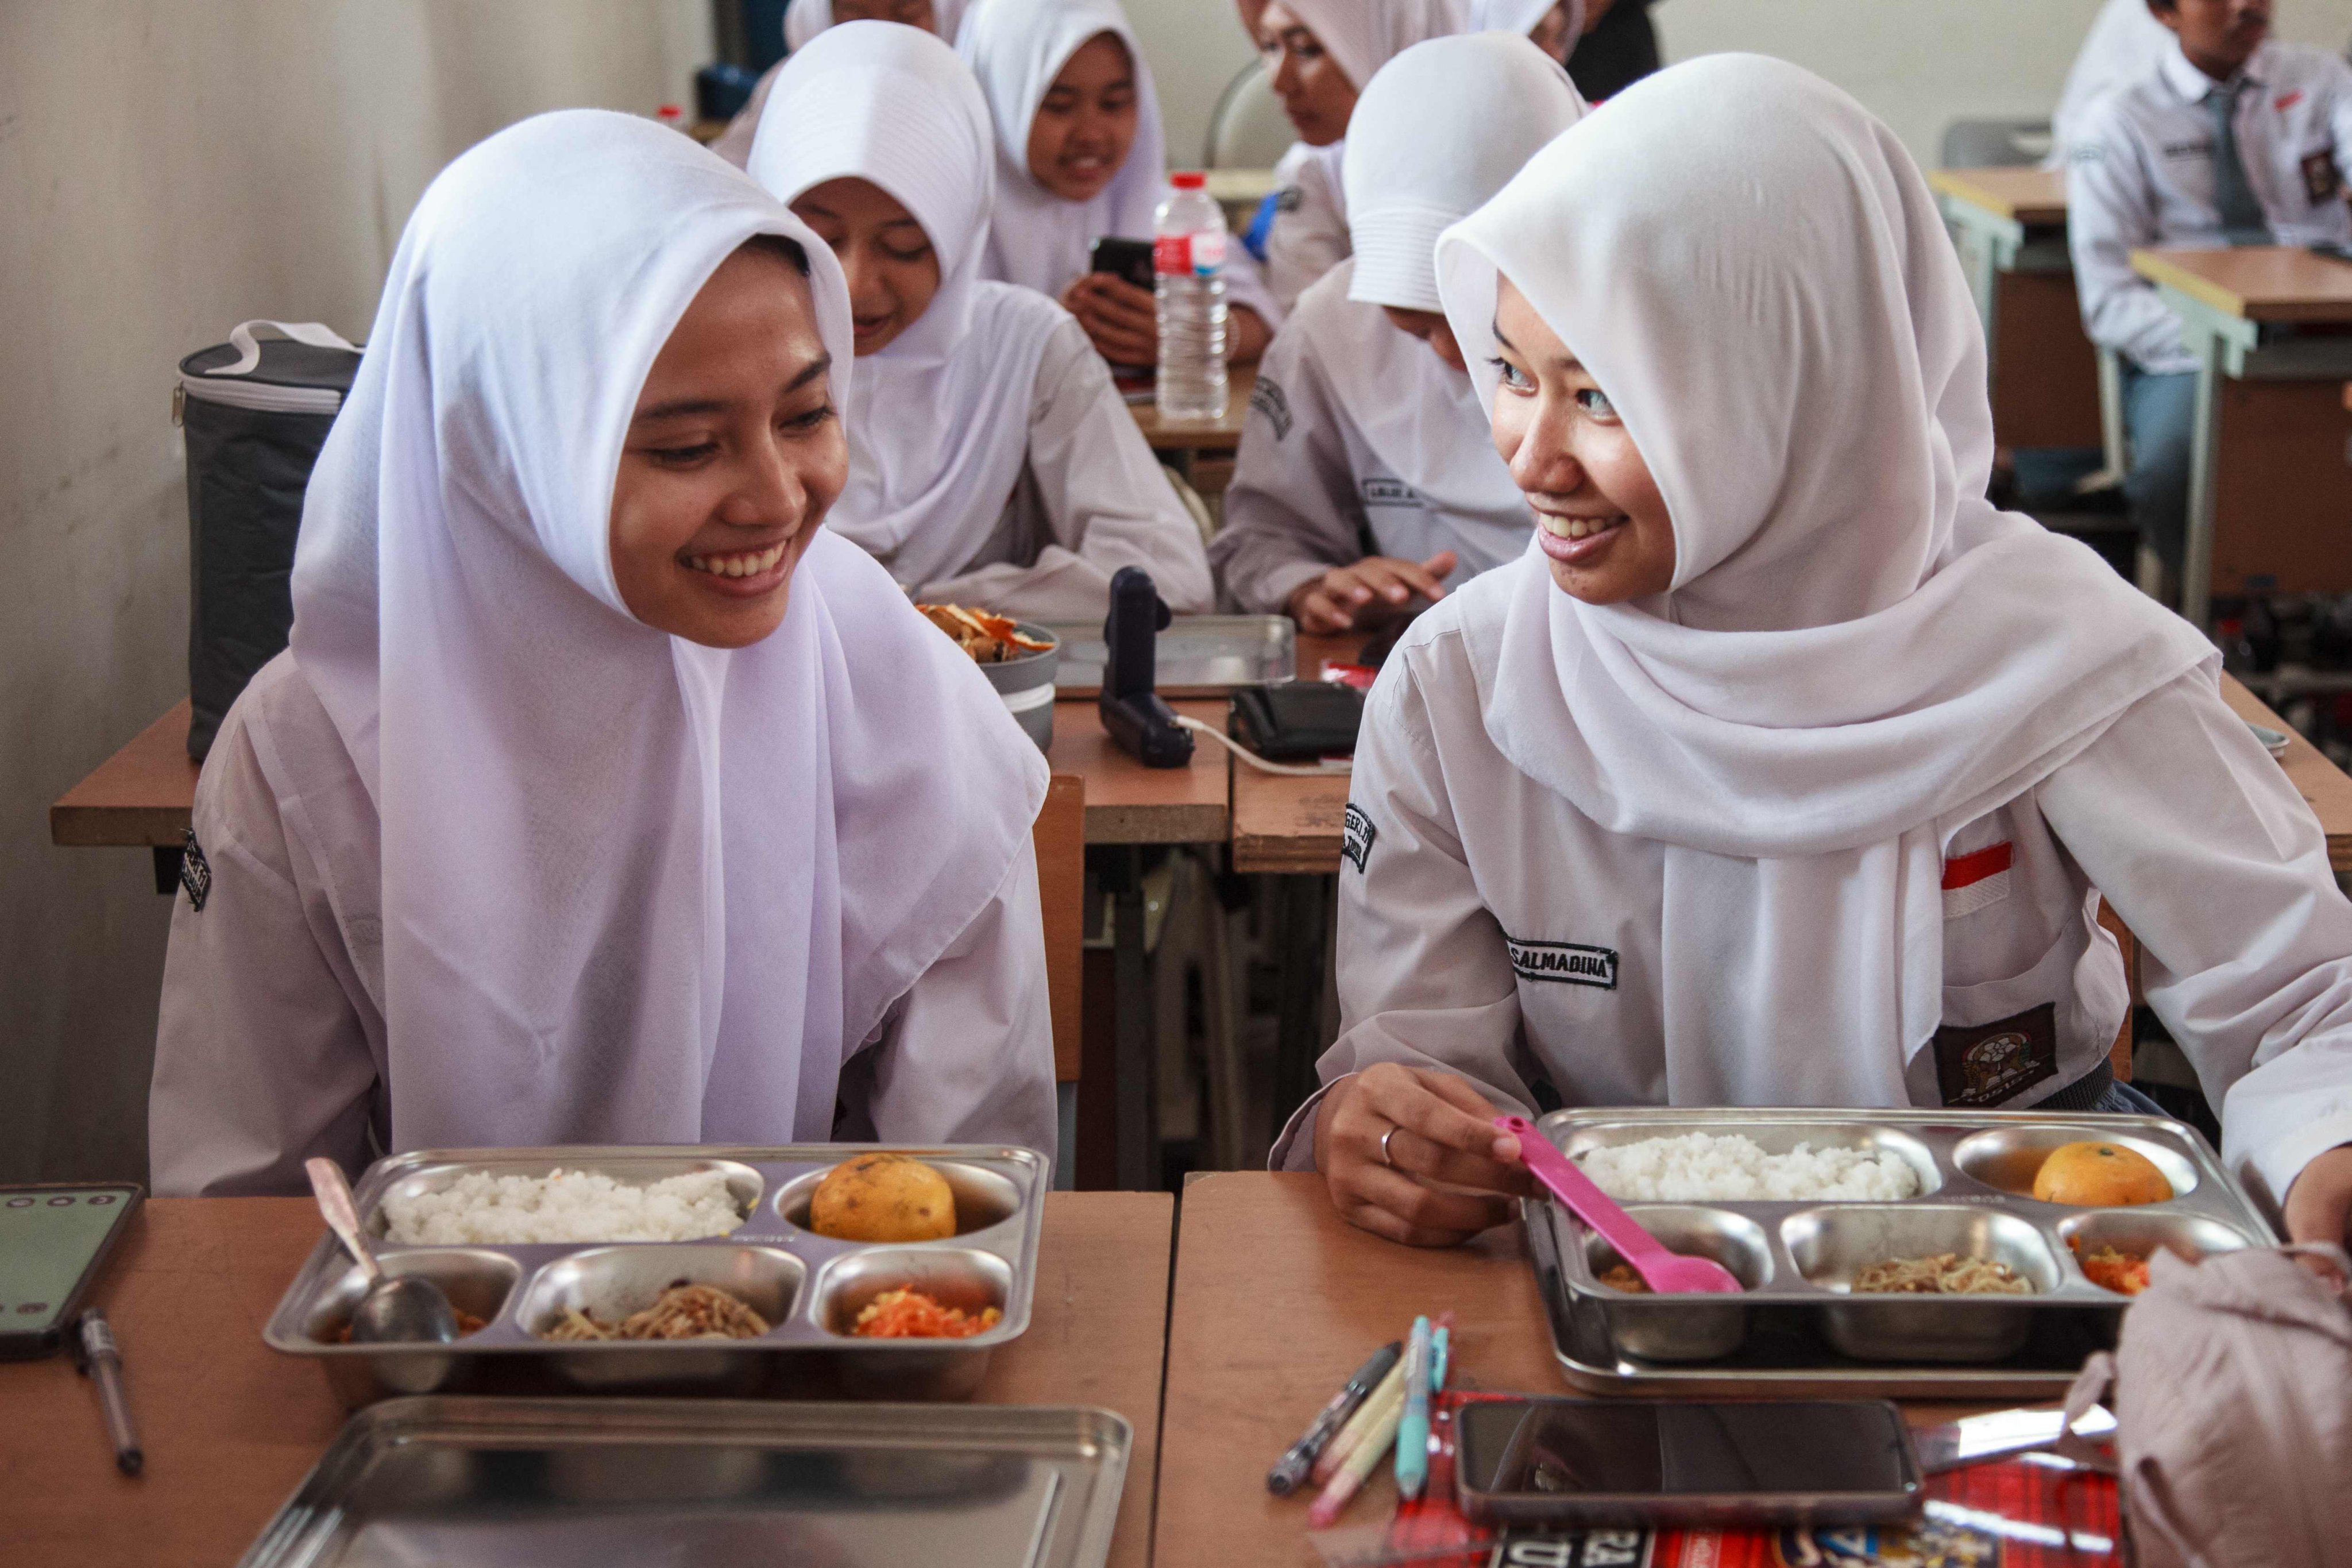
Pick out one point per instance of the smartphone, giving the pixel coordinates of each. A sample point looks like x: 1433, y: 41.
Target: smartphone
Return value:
x: 1629, y: 1463
x: 53, y: 1241
x: 1127, y: 258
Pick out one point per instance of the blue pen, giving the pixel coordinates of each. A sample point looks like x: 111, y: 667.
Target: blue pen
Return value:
x: 1412, y: 1427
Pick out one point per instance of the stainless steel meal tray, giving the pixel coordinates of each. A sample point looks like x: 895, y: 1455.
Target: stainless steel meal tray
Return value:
x: 1799, y: 1326
x: 1197, y: 655
x: 808, y: 1285
x: 540, y: 1483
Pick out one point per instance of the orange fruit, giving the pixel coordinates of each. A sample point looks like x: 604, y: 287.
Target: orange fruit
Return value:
x: 2100, y: 1175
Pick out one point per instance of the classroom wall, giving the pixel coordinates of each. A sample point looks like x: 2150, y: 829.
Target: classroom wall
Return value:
x: 168, y: 169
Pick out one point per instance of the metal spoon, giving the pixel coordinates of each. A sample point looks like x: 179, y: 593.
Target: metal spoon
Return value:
x: 1668, y: 1273
x: 396, y: 1307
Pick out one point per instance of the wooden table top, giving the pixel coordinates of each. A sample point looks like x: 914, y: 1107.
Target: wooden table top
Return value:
x: 1277, y: 1300
x: 144, y: 793
x: 2034, y: 198
x: 1292, y: 826
x: 2324, y: 787
x: 230, y: 1428
x: 1206, y: 435
x: 2282, y: 283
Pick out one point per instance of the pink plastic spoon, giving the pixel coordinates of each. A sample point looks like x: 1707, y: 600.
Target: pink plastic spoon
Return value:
x: 1668, y: 1273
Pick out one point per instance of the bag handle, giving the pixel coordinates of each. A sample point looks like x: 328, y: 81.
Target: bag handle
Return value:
x: 317, y: 334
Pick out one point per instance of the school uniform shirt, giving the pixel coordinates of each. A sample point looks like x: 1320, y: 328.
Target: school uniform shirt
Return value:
x: 1797, y: 828
x: 482, y: 859
x: 802, y: 21
x: 2142, y: 173
x: 1358, y: 441
x: 996, y: 464
x: 2123, y: 45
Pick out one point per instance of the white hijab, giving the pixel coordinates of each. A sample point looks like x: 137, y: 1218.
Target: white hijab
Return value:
x: 1365, y: 35
x: 804, y: 19
x: 1437, y: 131
x: 635, y: 890
x: 1858, y: 655
x: 1016, y: 48
x: 934, y: 466
x: 1520, y: 16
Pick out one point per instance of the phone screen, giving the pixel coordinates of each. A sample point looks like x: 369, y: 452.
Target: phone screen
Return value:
x: 48, y: 1237
x: 1562, y: 1449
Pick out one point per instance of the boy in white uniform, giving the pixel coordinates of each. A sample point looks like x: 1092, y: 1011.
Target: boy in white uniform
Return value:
x: 2231, y: 139
x: 1769, y: 778
x: 1366, y: 476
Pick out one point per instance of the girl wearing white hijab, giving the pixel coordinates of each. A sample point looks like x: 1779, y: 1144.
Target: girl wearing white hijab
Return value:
x: 1365, y: 426
x: 598, y: 798
x: 1320, y: 54
x: 803, y: 20
x: 999, y: 466
x: 1783, y: 770
x: 1079, y: 157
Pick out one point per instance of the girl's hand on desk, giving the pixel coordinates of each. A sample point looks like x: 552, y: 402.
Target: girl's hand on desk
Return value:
x: 2319, y: 1204
x: 1120, y: 317
x: 1445, y: 1176
x: 1346, y: 598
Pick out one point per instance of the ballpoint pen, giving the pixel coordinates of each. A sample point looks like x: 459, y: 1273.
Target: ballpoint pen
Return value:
x: 1292, y: 1468
x: 1412, y: 1425
x: 96, y: 1354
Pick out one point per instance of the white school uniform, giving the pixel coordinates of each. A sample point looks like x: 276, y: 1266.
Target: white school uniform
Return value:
x: 2123, y: 45
x: 1357, y: 432
x: 1820, y: 824
x: 540, y: 873
x: 802, y: 21
x: 1000, y: 467
x: 2141, y: 174
x: 1309, y: 233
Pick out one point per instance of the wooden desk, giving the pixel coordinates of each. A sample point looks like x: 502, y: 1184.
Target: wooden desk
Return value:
x: 1193, y: 437
x: 2009, y: 226
x: 2323, y: 785
x: 140, y: 795
x: 230, y: 1428
x: 2270, y: 493
x: 1277, y: 1299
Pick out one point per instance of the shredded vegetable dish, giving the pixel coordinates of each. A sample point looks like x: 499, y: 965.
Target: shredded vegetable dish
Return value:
x: 682, y: 1311
x: 989, y: 639
x: 908, y: 1314
x: 2122, y: 1272
x: 1941, y: 1274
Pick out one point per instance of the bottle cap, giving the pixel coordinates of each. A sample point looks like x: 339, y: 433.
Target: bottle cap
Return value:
x: 1188, y: 179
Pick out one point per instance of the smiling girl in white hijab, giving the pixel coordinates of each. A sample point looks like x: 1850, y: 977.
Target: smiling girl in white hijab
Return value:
x: 1783, y: 771
x: 599, y: 796
x: 1320, y: 54
x: 1080, y: 157
x: 999, y: 466
x: 1365, y: 424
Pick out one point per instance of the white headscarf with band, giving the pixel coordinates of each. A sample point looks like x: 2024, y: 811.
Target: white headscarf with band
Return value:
x: 1441, y: 129
x: 1016, y: 48
x: 934, y: 464
x: 804, y: 19
x: 635, y: 890
x: 1365, y: 35
x: 1858, y: 655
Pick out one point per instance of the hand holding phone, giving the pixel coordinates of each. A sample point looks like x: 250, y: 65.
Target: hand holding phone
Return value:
x: 1114, y: 301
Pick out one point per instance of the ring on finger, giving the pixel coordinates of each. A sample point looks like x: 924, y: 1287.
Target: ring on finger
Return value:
x: 1386, y: 1158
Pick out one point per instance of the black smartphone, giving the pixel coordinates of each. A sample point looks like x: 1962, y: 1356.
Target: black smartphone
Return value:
x: 53, y: 1241
x: 1299, y: 721
x: 1630, y: 1463
x: 1127, y: 258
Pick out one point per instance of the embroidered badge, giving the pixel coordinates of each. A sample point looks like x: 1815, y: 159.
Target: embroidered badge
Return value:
x: 196, y: 872
x: 1391, y: 492
x: 1270, y: 400
x: 2322, y: 181
x: 1984, y: 1064
x: 1974, y: 881
x: 1564, y: 963
x: 1356, y: 843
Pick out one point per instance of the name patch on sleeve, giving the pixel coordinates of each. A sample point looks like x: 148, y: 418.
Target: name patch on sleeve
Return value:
x: 1356, y: 845
x: 1268, y: 398
x: 1564, y: 963
x: 195, y: 872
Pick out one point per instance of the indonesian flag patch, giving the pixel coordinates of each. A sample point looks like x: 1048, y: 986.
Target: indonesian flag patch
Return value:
x: 1973, y: 881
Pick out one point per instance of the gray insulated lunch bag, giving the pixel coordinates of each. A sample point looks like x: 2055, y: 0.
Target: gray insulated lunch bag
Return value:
x: 256, y: 413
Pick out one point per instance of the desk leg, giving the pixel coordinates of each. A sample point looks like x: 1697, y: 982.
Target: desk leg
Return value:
x: 1300, y: 906
x: 2204, y: 452
x: 167, y: 869
x: 1137, y: 1158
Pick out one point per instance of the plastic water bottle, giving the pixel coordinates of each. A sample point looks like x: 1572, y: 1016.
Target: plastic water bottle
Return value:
x: 1188, y: 266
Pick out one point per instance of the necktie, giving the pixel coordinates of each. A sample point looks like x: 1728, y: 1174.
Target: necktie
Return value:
x: 2242, y: 222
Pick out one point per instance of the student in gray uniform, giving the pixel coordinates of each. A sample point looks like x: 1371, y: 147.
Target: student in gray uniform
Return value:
x: 2232, y: 138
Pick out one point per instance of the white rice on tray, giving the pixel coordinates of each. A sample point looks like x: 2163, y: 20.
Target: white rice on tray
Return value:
x: 562, y: 1206
x: 1705, y: 1167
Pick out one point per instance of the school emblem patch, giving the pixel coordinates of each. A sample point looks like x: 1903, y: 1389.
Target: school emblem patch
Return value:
x: 1563, y: 963
x: 195, y: 872
x: 1357, y: 836
x: 1985, y: 1064
x: 1269, y: 399
x: 2322, y: 181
